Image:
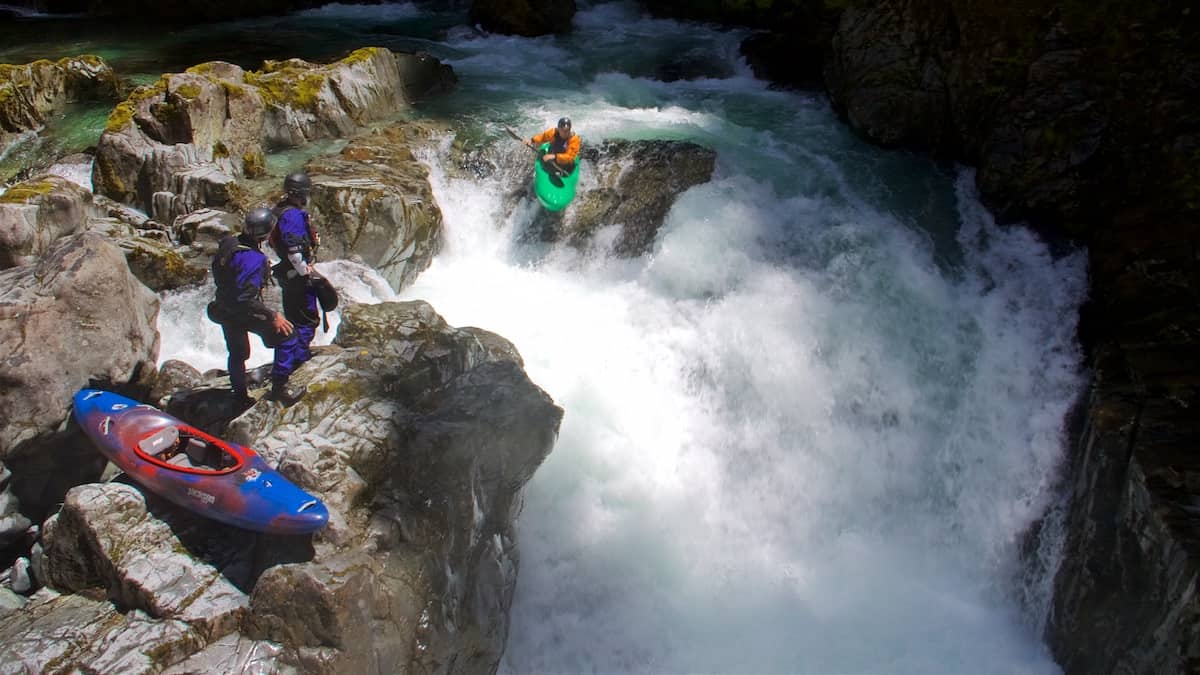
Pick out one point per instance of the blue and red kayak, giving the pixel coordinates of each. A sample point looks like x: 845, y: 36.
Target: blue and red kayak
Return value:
x: 215, y: 478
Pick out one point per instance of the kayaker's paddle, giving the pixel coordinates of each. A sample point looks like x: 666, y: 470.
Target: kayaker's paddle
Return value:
x: 558, y: 171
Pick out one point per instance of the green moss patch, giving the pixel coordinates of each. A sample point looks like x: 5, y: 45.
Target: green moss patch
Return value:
x: 360, y: 55
x: 23, y: 193
x: 122, y: 114
x: 188, y: 90
x: 289, y: 87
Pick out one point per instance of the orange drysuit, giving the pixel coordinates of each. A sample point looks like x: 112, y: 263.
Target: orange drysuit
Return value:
x: 564, y: 151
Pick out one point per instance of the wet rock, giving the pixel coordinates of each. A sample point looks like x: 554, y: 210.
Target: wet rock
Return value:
x: 374, y: 201
x: 106, y: 537
x: 20, y: 580
x: 9, y: 602
x: 53, y: 631
x: 236, y: 654
x: 636, y: 183
x: 12, y: 523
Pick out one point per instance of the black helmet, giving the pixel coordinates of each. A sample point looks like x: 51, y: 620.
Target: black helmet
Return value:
x: 297, y: 184
x: 259, y: 223
x: 564, y: 122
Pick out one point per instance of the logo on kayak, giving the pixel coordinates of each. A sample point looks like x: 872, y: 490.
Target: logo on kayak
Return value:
x: 106, y: 425
x: 119, y: 406
x: 252, y: 475
x: 202, y: 496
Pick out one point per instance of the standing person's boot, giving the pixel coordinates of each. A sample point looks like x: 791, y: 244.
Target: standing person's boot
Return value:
x: 241, y: 400
x: 280, y: 392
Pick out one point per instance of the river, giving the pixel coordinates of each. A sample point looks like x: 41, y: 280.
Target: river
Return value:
x: 804, y: 434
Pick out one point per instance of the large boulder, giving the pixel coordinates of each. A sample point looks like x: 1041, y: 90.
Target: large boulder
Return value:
x: 374, y: 201
x: 36, y: 212
x: 184, y: 142
x: 433, y: 431
x: 77, y: 316
x: 417, y: 435
x: 31, y: 93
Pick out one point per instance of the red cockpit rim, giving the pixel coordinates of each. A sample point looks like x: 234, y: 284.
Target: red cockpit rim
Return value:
x: 185, y: 433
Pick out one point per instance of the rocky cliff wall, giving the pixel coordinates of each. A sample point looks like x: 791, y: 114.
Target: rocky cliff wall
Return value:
x: 1077, y: 117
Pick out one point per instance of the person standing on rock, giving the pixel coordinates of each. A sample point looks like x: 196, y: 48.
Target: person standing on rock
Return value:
x: 295, y: 240
x: 564, y: 147
x: 239, y: 271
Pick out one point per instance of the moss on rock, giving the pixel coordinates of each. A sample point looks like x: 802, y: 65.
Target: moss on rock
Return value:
x: 188, y: 90
x: 254, y: 165
x: 23, y: 193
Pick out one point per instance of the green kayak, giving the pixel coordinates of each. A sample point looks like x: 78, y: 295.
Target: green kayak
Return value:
x: 553, y: 191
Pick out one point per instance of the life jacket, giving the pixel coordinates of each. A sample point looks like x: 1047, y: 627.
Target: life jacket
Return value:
x: 565, y: 150
x: 240, y: 279
x: 228, y: 270
x: 283, y: 248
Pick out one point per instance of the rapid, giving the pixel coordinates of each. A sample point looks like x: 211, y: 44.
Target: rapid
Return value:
x: 807, y: 432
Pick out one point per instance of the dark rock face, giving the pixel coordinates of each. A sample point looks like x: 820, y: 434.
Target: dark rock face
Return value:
x: 788, y: 59
x: 1078, y: 120
x: 1056, y: 105
x: 1124, y: 597
x: 528, y: 18
x: 789, y: 50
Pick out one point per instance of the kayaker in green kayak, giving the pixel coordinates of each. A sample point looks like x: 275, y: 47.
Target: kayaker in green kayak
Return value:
x: 564, y: 147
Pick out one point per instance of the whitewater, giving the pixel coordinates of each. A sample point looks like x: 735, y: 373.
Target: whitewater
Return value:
x: 806, y: 432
